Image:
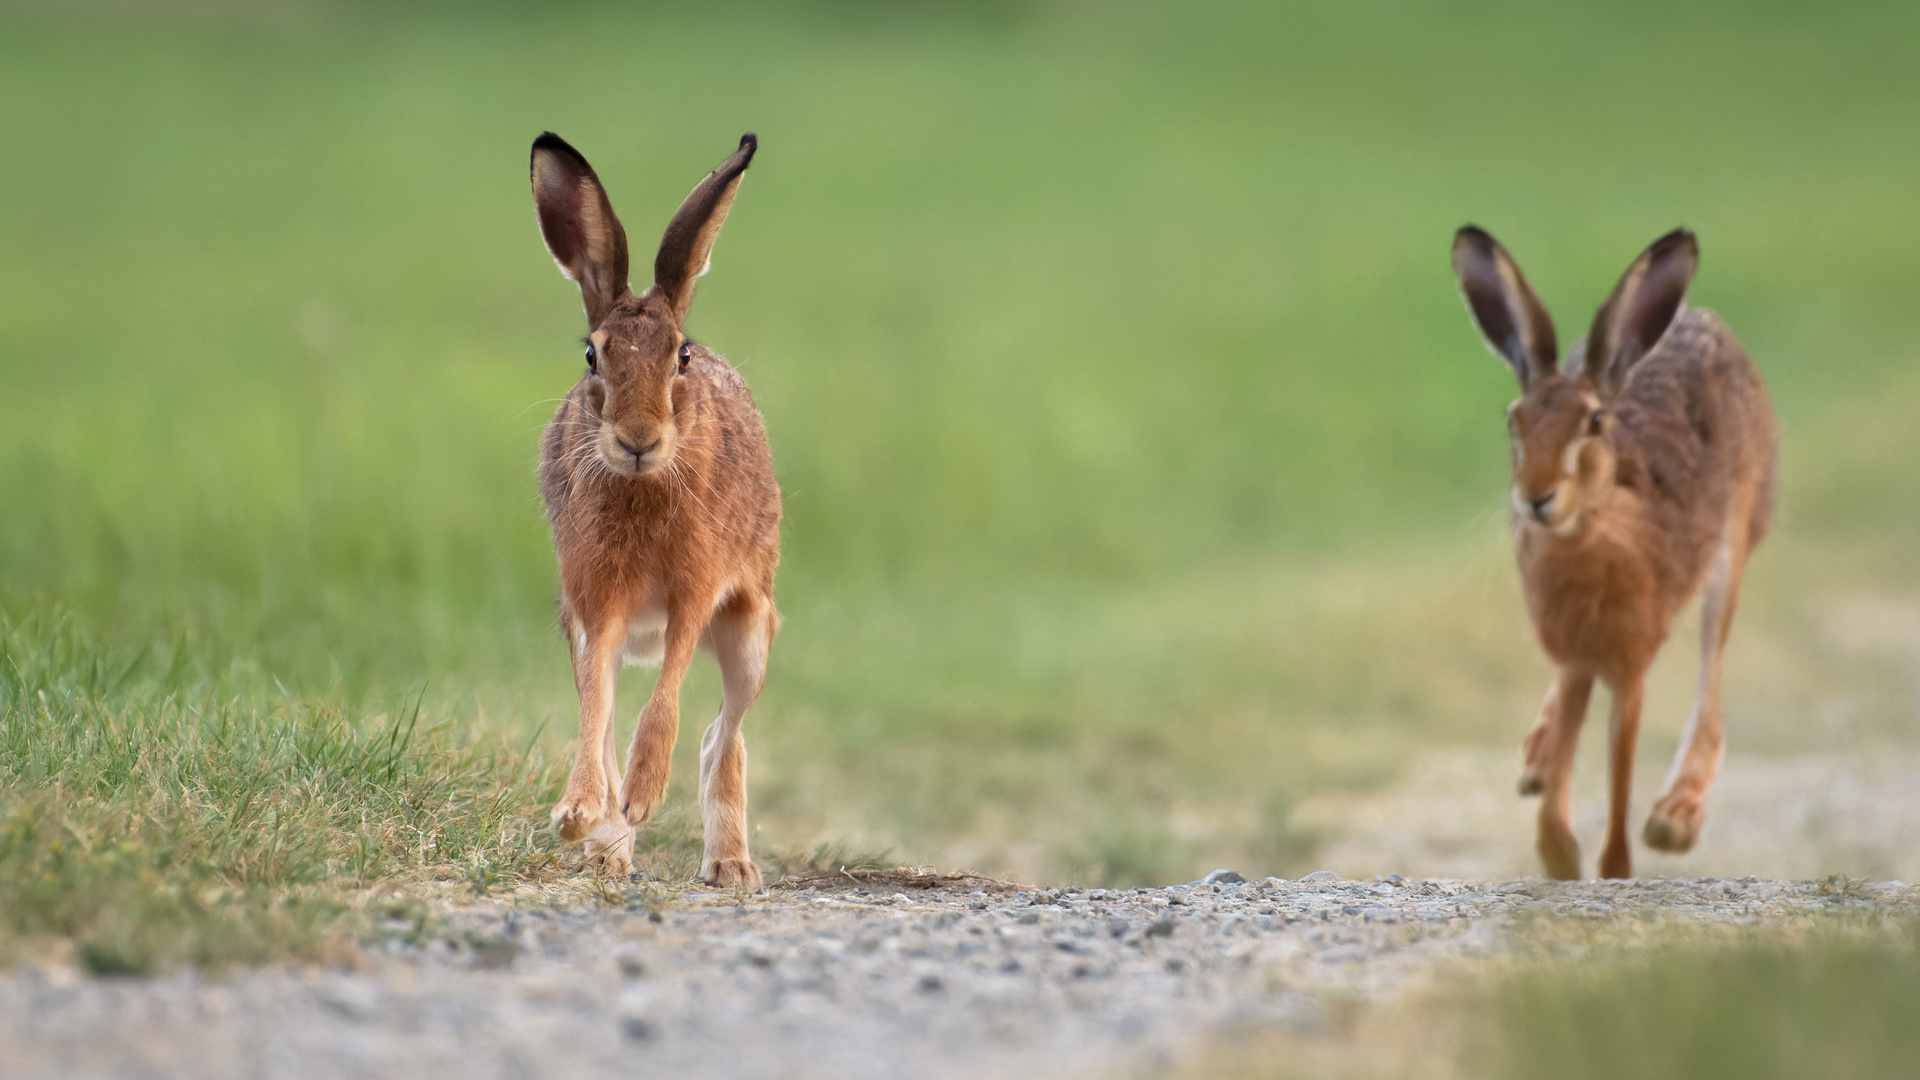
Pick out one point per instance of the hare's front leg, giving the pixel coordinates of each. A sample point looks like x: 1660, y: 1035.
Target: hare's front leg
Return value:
x: 650, y: 758
x: 586, y: 805
x: 741, y: 633
x: 1677, y: 817
x: 1549, y: 751
x: 1537, y: 751
x: 1623, y: 731
x: 609, y: 846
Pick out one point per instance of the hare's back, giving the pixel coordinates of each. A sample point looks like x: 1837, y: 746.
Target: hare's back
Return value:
x: 1695, y: 424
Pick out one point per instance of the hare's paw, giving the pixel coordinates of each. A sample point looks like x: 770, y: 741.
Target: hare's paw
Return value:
x: 1533, y: 761
x: 609, y: 848
x: 731, y: 873
x: 1616, y: 861
x: 1674, y: 825
x: 642, y: 792
x: 578, y: 813
x: 1559, y: 851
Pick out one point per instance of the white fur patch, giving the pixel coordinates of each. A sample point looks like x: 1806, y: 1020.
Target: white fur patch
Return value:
x: 646, y: 642
x: 1570, y: 458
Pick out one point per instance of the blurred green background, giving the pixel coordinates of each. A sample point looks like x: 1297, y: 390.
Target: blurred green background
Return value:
x: 1145, y: 478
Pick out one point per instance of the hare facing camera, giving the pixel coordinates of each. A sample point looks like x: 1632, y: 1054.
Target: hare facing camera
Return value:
x: 1643, y: 473
x: 659, y: 486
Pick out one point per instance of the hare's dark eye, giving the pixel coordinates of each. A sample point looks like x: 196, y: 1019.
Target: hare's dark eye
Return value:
x: 686, y: 355
x: 593, y: 359
x: 1595, y: 423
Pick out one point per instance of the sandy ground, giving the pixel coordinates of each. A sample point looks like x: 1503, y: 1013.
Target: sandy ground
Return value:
x: 864, y: 979
x: 1807, y: 816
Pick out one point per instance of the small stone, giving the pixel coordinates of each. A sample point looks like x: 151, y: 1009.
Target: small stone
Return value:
x: 930, y: 983
x: 351, y: 999
x: 1320, y: 877
x: 629, y: 962
x: 1161, y: 928
x: 638, y: 1028
x: 1029, y: 918
x: 1224, y: 876
x: 495, y: 955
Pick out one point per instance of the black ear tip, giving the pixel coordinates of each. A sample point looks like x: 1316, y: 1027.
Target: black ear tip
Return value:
x: 750, y: 143
x: 1680, y: 239
x: 554, y: 144
x: 1480, y: 238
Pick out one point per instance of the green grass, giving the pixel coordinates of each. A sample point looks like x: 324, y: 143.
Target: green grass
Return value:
x: 1143, y: 472
x: 1840, y: 1005
x: 152, y: 817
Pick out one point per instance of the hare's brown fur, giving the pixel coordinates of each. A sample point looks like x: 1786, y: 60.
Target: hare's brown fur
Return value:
x: 1641, y: 476
x: 659, y: 485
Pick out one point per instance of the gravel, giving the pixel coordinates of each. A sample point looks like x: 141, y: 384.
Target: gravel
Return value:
x: 859, y: 980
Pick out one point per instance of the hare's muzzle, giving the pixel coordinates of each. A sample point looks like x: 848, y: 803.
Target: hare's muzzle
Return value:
x: 1555, y: 509
x: 633, y: 455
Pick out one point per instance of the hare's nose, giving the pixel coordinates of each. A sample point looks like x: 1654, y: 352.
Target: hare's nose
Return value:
x: 1540, y: 506
x: 640, y: 453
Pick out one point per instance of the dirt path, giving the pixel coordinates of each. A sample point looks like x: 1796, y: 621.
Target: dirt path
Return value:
x: 859, y: 980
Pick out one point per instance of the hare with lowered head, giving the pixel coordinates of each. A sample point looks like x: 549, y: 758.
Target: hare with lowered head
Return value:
x: 666, y: 517
x: 1643, y: 473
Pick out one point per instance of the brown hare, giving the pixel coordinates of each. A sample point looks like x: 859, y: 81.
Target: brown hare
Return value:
x: 666, y: 517
x: 1643, y: 472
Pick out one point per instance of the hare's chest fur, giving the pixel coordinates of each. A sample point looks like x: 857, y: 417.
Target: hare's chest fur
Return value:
x: 1593, y: 597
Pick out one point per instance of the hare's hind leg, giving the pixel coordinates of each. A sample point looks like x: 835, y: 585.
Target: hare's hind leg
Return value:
x: 1549, y: 769
x: 741, y: 633
x: 1677, y: 817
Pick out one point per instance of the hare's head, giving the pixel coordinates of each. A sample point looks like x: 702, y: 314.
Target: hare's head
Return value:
x: 637, y: 353
x: 1562, y: 426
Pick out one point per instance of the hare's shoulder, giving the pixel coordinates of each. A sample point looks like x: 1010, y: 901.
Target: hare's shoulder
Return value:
x: 726, y: 389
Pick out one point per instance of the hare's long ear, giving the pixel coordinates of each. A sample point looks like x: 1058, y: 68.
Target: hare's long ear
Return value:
x: 577, y: 222
x: 688, y: 245
x: 1642, y: 307
x: 1512, y: 319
